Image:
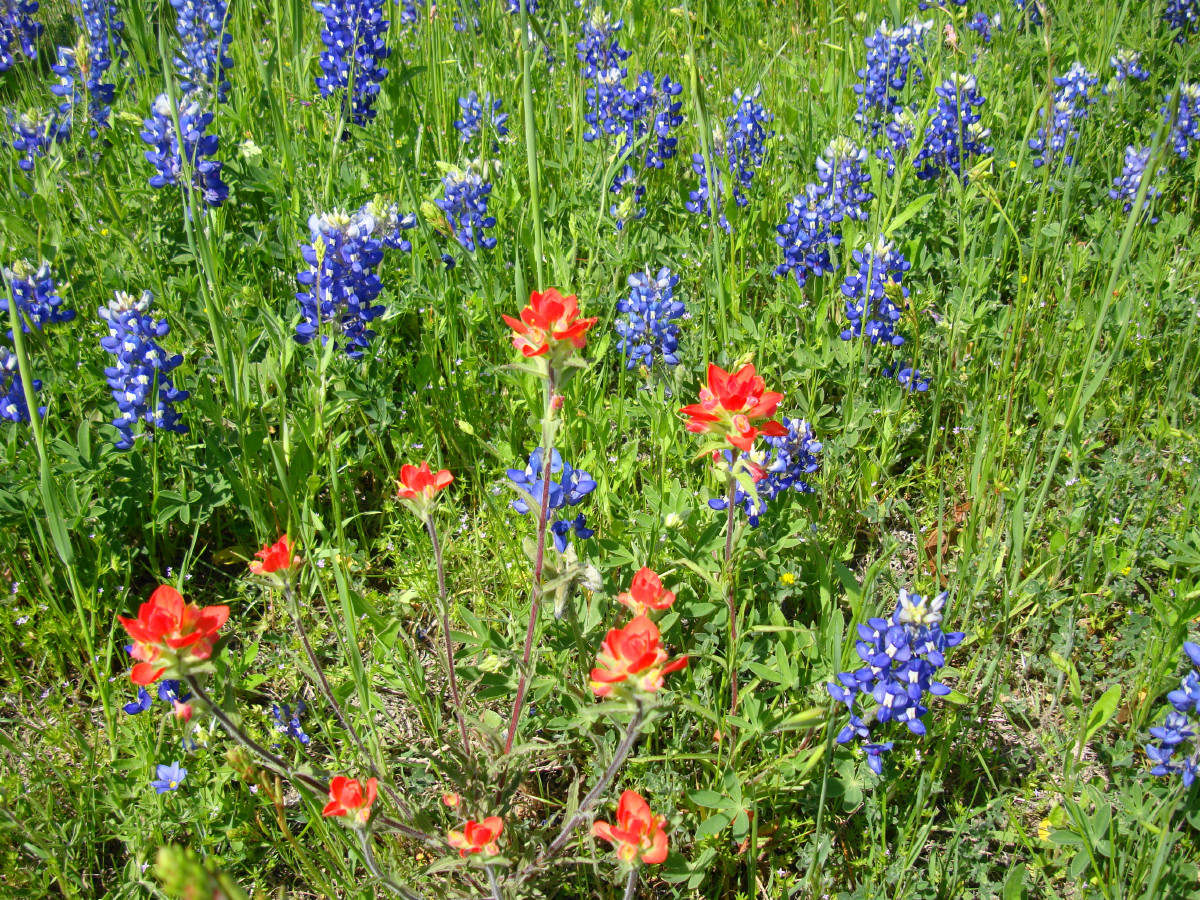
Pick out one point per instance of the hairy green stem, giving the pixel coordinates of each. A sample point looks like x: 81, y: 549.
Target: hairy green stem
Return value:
x: 364, y: 837
x: 631, y: 883
x: 444, y: 609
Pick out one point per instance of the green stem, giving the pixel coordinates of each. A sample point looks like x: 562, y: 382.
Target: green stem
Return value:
x: 731, y: 587
x: 535, y: 197
x: 444, y: 609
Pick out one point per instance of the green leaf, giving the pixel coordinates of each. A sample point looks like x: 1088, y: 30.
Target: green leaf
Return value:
x: 1103, y: 710
x: 714, y: 824
x: 909, y: 211
x: 710, y: 799
x: 768, y: 673
x: 1066, y: 838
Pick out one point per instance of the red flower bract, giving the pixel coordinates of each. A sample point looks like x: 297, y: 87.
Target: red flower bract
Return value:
x: 273, y: 557
x: 646, y: 593
x: 477, y: 837
x: 633, y: 654
x: 734, y: 405
x: 638, y: 831
x: 349, y: 798
x: 550, y: 318
x: 418, y: 482
x: 168, y: 627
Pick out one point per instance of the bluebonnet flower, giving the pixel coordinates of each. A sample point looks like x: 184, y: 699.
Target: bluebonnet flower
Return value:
x: 19, y: 31
x: 514, y: 6
x: 900, y: 132
x: 353, y: 35
x: 924, y: 5
x: 288, y: 723
x: 889, y: 57
x: 702, y: 201
x: 340, y: 284
x: 33, y: 134
x: 901, y: 656
x: 103, y: 29
x: 600, y: 50
x: 473, y: 113
x: 34, y: 291
x: 1178, y: 750
x: 954, y: 133
x: 983, y: 25
x: 141, y: 704
x: 1128, y: 64
x: 746, y: 135
x: 1031, y: 12
x: 1126, y: 186
x: 783, y: 464
x: 171, y: 690
x: 629, y: 208
x: 805, y: 237
x: 410, y: 12
x: 874, y: 294
x: 204, y: 43
x: 1182, y: 16
x: 568, y: 491
x: 13, y: 407
x: 92, y: 91
x: 1186, y: 126
x: 465, y: 206
x: 909, y: 378
x: 169, y: 778
x: 1071, y: 100
x: 648, y: 331
x: 197, y: 147
x: 140, y: 380
x: 842, y: 178
x: 604, y: 99
x: 388, y: 223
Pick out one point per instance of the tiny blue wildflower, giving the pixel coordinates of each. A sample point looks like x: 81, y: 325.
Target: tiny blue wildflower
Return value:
x: 648, y: 332
x: 204, y: 41
x: 169, y: 778
x: 19, y: 31
x: 34, y: 292
x: 874, y: 294
x: 170, y: 690
x: 353, y: 33
x: 140, y: 380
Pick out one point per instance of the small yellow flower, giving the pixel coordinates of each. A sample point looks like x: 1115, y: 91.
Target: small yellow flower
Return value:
x: 103, y: 232
x: 1012, y: 163
x: 1044, y: 830
x: 1127, y: 570
x: 1024, y: 278
x: 788, y: 578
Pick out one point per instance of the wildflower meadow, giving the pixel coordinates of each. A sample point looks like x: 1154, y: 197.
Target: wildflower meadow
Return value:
x: 518, y: 449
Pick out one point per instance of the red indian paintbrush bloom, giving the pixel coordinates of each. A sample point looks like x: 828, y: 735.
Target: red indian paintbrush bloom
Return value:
x: 634, y: 655
x: 349, y: 798
x: 638, y: 831
x: 733, y: 405
x: 548, y: 320
x: 477, y: 837
x: 646, y: 593
x: 419, y: 483
x: 167, y: 630
x: 273, y: 557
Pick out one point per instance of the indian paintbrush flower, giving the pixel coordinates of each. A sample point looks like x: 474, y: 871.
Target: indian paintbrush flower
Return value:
x: 632, y: 659
x: 349, y: 798
x: 646, y: 593
x: 550, y: 326
x: 477, y: 837
x: 419, y: 486
x: 736, y: 407
x: 171, y: 635
x: 273, y: 558
x: 638, y: 832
